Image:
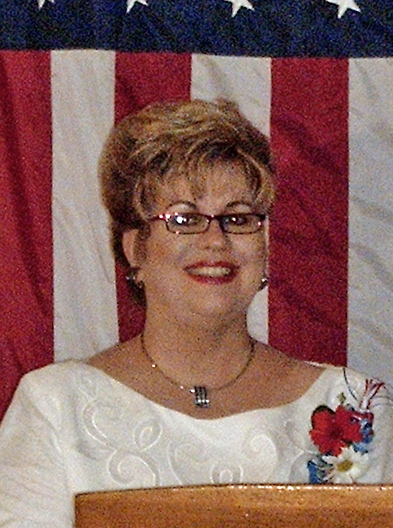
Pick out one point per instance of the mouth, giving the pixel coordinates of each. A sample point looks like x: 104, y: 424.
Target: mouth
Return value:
x: 212, y: 272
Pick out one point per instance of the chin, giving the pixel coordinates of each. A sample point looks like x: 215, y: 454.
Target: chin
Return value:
x: 221, y: 311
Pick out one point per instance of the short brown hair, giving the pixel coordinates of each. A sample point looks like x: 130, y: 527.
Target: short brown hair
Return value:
x: 165, y: 140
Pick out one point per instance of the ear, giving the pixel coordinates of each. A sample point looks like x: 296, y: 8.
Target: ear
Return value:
x: 132, y: 247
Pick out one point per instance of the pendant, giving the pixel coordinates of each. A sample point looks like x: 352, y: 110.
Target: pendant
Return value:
x: 201, y: 398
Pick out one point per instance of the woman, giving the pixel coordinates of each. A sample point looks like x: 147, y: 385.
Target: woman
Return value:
x: 193, y: 399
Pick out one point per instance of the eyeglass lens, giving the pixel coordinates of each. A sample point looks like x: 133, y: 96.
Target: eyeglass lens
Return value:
x: 191, y: 223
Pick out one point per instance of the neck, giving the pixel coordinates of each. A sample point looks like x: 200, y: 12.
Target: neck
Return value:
x: 198, y: 355
x: 200, y: 391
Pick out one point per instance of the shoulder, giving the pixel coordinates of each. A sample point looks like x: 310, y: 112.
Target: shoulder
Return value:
x: 51, y: 377
x: 55, y: 387
x: 341, y: 391
x: 354, y: 388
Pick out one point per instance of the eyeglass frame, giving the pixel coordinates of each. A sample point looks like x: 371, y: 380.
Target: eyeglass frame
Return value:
x: 220, y: 219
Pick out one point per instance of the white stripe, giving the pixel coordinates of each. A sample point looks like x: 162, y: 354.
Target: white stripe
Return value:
x: 371, y: 217
x: 84, y: 279
x: 247, y: 81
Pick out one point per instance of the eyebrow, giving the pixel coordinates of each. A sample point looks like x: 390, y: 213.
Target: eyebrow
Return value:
x: 228, y: 205
x: 239, y: 202
x: 183, y: 202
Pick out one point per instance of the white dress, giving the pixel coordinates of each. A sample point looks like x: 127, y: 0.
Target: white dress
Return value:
x: 71, y: 428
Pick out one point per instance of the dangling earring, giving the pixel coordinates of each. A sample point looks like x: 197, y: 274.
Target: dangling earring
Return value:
x: 264, y: 282
x: 132, y: 278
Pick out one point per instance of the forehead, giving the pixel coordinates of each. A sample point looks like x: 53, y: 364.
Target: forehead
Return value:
x: 223, y: 184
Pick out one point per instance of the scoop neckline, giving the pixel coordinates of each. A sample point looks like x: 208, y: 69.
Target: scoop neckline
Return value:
x: 325, y: 372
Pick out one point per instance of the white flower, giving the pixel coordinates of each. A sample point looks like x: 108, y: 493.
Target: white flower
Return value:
x: 348, y: 466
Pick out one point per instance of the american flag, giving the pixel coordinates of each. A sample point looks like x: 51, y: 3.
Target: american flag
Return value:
x: 316, y: 75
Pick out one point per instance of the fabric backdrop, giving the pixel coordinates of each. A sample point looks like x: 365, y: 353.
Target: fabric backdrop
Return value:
x: 330, y: 118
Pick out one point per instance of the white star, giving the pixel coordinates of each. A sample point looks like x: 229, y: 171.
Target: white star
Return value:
x: 131, y: 3
x: 237, y: 4
x: 344, y: 5
x: 41, y: 3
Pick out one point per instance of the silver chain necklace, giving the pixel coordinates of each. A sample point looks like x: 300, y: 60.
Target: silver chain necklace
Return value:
x: 200, y: 392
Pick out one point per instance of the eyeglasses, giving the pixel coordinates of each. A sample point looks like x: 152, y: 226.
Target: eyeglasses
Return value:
x: 194, y: 223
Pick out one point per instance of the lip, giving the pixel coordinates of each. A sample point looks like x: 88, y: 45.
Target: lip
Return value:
x: 219, y: 272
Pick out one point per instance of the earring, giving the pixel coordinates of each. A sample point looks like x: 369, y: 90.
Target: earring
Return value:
x: 132, y: 278
x: 264, y: 282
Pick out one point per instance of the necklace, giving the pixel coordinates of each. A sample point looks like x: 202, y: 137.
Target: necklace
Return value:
x: 200, y: 392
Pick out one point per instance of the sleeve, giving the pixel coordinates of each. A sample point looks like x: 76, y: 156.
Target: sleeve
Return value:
x: 33, y: 482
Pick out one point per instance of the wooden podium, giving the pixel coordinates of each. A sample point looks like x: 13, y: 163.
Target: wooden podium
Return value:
x: 240, y: 506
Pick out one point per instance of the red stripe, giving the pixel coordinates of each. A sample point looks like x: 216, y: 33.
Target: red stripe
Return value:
x: 309, y: 228
x: 26, y: 283
x: 141, y: 79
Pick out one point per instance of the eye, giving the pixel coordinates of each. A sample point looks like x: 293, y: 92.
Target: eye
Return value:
x: 238, y: 219
x: 186, y: 219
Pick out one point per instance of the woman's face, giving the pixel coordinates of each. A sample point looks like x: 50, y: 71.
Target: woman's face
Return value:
x: 211, y: 273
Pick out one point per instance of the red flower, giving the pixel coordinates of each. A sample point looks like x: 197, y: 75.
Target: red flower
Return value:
x: 332, y: 431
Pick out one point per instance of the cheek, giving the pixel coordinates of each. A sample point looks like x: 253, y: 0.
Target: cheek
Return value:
x: 254, y: 252
x: 161, y: 253
x: 254, y: 262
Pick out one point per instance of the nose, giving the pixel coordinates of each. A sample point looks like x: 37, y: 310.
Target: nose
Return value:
x: 214, y: 236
